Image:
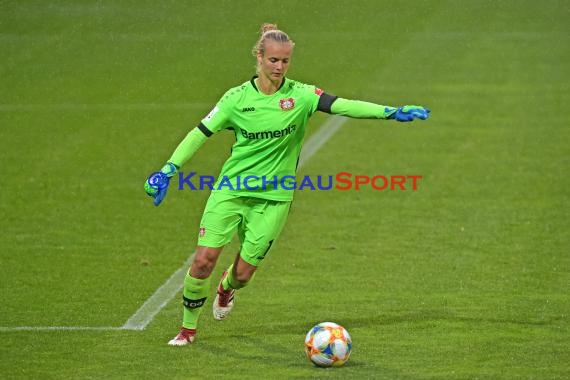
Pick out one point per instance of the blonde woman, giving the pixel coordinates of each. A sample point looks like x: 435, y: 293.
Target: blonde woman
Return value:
x: 268, y: 115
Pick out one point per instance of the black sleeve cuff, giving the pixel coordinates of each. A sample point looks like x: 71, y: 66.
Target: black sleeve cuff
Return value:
x: 205, y: 130
x: 325, y: 102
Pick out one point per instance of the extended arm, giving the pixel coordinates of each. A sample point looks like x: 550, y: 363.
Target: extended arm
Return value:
x: 361, y: 110
x: 366, y: 110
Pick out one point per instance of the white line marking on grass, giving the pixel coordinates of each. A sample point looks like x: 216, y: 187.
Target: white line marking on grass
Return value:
x: 58, y: 328
x: 160, y: 298
x: 316, y: 141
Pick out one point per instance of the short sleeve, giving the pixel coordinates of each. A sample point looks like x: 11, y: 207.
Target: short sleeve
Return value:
x: 312, y: 96
x: 219, y: 117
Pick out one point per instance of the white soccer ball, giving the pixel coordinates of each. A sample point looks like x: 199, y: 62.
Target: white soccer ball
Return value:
x: 328, y: 345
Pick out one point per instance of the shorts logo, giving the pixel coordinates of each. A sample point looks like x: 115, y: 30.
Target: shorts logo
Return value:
x: 287, y: 104
x: 202, y: 231
x: 318, y: 91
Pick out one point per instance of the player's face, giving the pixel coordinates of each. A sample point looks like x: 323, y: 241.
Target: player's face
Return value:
x: 274, y: 63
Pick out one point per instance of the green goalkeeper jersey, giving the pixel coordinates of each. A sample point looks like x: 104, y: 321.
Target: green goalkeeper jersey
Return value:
x: 269, y: 131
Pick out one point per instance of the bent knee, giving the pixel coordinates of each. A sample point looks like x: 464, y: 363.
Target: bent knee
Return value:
x: 204, y: 262
x: 244, y: 272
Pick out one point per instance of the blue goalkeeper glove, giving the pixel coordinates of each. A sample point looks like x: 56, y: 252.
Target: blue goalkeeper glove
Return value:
x: 157, y: 183
x: 407, y: 113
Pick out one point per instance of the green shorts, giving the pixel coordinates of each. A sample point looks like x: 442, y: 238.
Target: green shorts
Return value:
x: 258, y: 223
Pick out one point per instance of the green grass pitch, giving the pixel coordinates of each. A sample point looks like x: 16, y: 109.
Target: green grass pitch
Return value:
x: 467, y: 277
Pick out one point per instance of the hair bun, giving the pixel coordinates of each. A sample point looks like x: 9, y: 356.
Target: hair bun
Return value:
x: 267, y: 27
x: 270, y: 32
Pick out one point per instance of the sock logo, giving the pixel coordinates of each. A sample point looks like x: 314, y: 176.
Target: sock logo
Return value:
x: 193, y: 304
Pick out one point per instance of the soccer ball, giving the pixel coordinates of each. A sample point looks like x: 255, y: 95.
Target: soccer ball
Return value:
x: 328, y: 345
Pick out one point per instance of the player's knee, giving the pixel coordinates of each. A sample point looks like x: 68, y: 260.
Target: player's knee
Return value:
x: 243, y: 277
x: 244, y: 273
x: 202, y: 266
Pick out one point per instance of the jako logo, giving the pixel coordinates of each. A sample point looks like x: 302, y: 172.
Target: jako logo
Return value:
x: 248, y: 109
x: 268, y: 134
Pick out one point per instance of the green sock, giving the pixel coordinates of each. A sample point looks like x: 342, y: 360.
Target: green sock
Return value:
x: 194, y: 296
x: 230, y: 282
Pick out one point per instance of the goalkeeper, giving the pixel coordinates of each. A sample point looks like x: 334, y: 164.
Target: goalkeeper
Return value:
x: 268, y: 115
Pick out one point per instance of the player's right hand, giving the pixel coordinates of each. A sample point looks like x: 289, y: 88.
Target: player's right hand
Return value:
x: 157, y: 183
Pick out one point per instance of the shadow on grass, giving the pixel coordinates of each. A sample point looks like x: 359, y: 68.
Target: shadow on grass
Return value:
x: 266, y: 352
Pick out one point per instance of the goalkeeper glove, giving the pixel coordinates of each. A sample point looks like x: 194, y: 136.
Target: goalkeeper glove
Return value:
x: 157, y: 183
x: 407, y: 113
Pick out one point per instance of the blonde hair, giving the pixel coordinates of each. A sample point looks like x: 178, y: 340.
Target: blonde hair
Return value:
x: 270, y: 32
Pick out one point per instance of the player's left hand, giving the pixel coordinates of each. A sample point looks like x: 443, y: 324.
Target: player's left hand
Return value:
x: 157, y: 183
x: 409, y: 113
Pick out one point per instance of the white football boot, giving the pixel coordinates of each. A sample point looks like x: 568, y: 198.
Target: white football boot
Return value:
x: 184, y: 337
x: 224, y: 301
